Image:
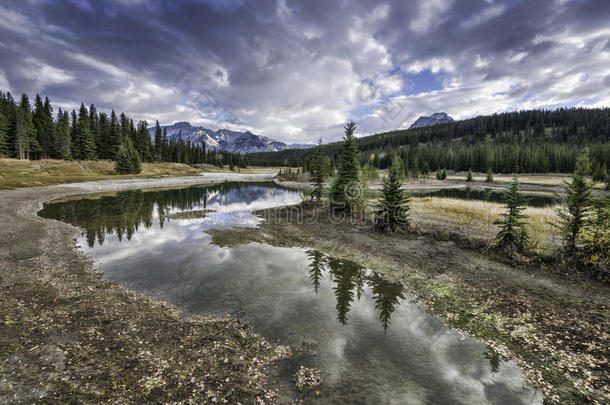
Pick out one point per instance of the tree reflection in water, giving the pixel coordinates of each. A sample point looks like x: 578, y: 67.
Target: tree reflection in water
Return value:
x: 122, y: 213
x: 350, y: 280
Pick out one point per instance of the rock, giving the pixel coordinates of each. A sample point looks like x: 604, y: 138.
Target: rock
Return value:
x: 434, y: 119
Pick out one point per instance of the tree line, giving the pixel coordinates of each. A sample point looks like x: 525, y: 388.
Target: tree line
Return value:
x: 34, y: 132
x: 536, y: 141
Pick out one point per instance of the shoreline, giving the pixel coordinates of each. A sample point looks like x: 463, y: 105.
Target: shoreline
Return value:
x: 68, y: 334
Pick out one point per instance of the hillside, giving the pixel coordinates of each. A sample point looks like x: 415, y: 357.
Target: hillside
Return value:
x: 537, y: 141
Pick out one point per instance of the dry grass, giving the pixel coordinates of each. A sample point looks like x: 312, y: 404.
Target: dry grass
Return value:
x: 477, y: 217
x: 548, y: 180
x: 26, y: 173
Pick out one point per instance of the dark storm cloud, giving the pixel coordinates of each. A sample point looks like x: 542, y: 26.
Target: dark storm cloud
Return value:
x: 294, y: 70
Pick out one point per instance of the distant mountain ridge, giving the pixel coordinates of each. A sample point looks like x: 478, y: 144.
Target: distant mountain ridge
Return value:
x: 436, y: 118
x: 225, y: 139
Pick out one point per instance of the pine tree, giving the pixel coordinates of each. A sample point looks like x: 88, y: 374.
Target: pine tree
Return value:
x: 114, y: 139
x: 318, y: 173
x: 96, y: 130
x: 490, y: 176
x: 158, y: 142
x: 392, y: 213
x: 578, y: 203
x: 346, y: 192
x: 4, y: 149
x: 513, y: 234
x: 73, y: 129
x: 179, y: 147
x: 25, y: 134
x: 444, y: 174
x: 84, y: 143
x: 62, y: 135
x: 43, y: 122
x: 164, y: 156
x: 469, y: 175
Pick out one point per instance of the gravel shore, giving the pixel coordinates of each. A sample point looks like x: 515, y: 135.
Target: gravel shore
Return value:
x: 67, y: 335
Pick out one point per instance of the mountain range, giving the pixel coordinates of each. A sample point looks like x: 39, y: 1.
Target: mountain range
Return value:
x: 225, y: 139
x: 247, y: 142
x: 436, y: 118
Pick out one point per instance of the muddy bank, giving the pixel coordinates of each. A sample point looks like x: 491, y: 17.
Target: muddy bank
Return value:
x: 66, y: 335
x: 556, y: 328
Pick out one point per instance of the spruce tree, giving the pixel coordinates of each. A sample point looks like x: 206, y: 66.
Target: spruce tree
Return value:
x: 469, y: 175
x: 62, y: 135
x: 96, y: 130
x: 392, y: 213
x: 318, y: 173
x: 513, y: 234
x: 578, y: 203
x: 128, y: 160
x: 25, y: 134
x: 179, y: 147
x: 158, y: 142
x: 73, y: 129
x: 444, y: 174
x: 114, y: 140
x: 490, y: 176
x: 84, y: 142
x: 346, y: 192
x: 4, y: 149
x: 42, y: 119
x: 164, y: 156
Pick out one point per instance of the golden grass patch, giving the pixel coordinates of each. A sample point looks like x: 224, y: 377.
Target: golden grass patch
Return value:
x: 16, y: 173
x: 479, y: 217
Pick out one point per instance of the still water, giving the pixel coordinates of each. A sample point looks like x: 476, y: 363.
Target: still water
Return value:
x: 372, y: 345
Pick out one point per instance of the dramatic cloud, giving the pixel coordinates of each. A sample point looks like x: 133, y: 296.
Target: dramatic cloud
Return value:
x: 297, y: 70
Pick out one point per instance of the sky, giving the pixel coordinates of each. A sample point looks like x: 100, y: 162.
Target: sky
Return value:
x: 298, y: 70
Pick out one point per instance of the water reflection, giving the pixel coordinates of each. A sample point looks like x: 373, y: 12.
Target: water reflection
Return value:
x: 370, y: 342
x: 350, y: 279
x: 123, y: 213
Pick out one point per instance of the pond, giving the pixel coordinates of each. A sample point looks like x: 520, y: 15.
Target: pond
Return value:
x: 467, y: 193
x: 370, y: 342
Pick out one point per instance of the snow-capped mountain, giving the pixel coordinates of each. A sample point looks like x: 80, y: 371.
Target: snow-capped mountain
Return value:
x: 225, y: 139
x: 437, y: 118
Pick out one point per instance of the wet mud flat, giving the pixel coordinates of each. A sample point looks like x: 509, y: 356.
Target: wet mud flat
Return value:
x: 556, y: 327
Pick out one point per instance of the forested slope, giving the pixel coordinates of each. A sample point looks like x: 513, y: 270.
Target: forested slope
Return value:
x: 535, y: 141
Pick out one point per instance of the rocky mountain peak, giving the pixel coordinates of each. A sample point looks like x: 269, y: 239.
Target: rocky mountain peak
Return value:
x: 436, y: 118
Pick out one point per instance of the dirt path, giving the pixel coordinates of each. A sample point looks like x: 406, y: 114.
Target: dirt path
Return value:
x: 556, y: 327
x: 66, y: 335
